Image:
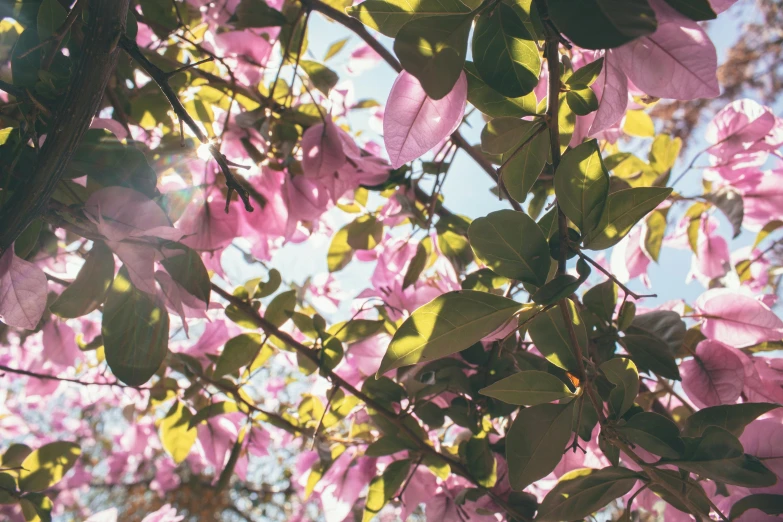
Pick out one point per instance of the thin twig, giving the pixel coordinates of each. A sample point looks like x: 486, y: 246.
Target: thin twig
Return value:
x: 37, y: 375
x: 161, y: 77
x: 611, y: 276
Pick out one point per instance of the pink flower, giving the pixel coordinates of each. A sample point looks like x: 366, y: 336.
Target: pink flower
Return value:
x: 737, y: 319
x: 714, y: 376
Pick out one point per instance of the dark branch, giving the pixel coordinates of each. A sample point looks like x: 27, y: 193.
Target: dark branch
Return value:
x: 72, y: 119
x: 161, y: 78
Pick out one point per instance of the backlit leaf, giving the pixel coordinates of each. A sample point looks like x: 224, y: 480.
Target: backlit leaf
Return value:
x: 448, y: 324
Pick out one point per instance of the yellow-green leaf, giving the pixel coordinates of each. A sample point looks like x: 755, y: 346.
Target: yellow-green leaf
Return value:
x: 176, y: 432
x: 46, y: 466
x: 446, y: 325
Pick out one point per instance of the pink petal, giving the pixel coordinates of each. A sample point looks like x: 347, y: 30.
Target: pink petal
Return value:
x: 322, y: 150
x: 59, y: 343
x: 715, y: 376
x: 120, y: 212
x: 612, y: 90
x: 677, y: 61
x: 140, y: 261
x: 762, y: 439
x: 23, y: 291
x: 110, y: 125
x: 737, y: 319
x: 713, y: 259
x: 208, y: 227
x: 721, y: 5
x: 762, y: 197
x: 413, y: 123
x: 738, y: 126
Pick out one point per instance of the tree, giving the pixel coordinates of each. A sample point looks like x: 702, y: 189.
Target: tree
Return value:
x: 161, y: 363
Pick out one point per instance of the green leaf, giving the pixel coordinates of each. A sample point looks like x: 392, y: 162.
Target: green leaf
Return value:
x: 388, y: 16
x: 186, y: 268
x: 46, y: 466
x: 654, y: 233
x: 340, y: 252
x: 687, y: 487
x: 364, y: 233
x: 135, y: 332
x: 718, y: 455
x: 731, y: 417
x: 535, y: 442
x: 602, y: 24
x: 88, y: 290
x: 5, y: 134
x: 322, y: 77
x: 280, y: 309
x: 650, y: 353
x: 8, y: 493
x: 500, y: 135
x: 36, y: 507
x: 512, y: 245
x: 566, y: 122
x: 213, y: 410
x: 481, y: 461
x: 528, y: 389
x: 433, y: 50
x: 163, y: 14
x: 625, y: 377
x: 562, y: 285
x: 663, y: 324
x: 15, y: 455
x: 239, y: 351
x: 51, y: 15
x: 452, y: 240
x: 177, y: 434
x: 623, y: 210
x: 446, y: 325
x: 355, y: 330
x: 655, y: 433
x: 581, y: 492
x: 768, y: 503
x: 27, y: 240
x: 586, y: 75
x: 256, y: 13
x: 664, y: 152
x: 416, y: 266
x: 492, y: 103
x: 550, y: 335
x: 388, y: 445
x: 582, y: 185
x: 522, y: 167
x: 384, y: 487
x: 582, y: 101
x: 767, y: 230
x: 697, y: 10
x: 602, y: 300
x: 335, y: 48
x: 638, y: 123
x: 505, y: 53
x: 24, y: 70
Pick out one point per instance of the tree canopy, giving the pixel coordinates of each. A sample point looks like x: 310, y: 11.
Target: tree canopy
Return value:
x: 166, y: 164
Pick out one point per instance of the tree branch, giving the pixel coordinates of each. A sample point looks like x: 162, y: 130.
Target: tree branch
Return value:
x: 71, y: 120
x: 37, y: 375
x: 259, y: 321
x: 161, y: 78
x: 358, y: 28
